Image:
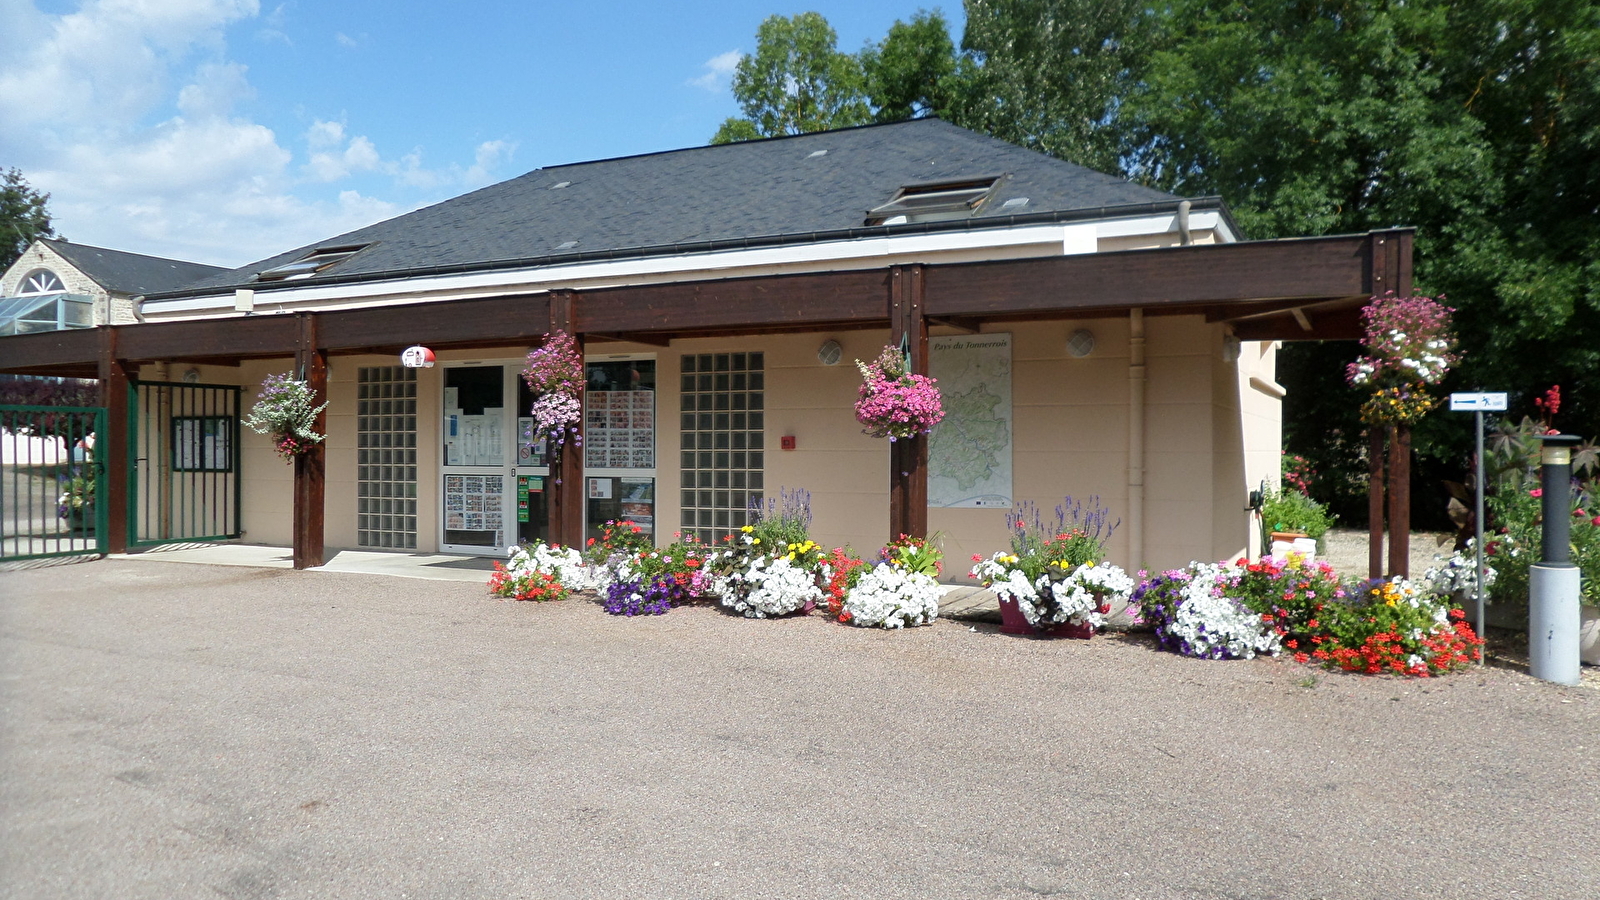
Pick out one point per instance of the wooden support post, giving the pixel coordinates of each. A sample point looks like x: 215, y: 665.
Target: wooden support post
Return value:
x: 1375, y: 481
x: 310, y: 468
x: 565, y: 496
x: 908, y: 458
x: 1400, y: 500
x: 113, y: 449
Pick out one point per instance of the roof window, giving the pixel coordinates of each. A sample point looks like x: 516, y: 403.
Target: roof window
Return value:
x: 311, y: 264
x: 934, y: 202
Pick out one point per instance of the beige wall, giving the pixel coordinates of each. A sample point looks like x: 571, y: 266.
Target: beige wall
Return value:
x: 1210, y: 436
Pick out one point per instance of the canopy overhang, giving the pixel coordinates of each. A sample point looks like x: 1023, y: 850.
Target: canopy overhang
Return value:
x: 1280, y: 290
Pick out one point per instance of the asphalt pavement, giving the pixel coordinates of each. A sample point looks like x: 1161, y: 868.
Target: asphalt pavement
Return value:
x: 174, y: 730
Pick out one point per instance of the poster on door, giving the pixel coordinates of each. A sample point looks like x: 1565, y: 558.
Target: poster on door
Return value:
x: 475, y: 503
x: 620, y: 430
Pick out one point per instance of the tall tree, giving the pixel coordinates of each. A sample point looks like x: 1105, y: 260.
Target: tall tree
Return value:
x: 1048, y: 74
x: 1478, y: 121
x: 913, y: 71
x: 797, y: 81
x: 24, y: 216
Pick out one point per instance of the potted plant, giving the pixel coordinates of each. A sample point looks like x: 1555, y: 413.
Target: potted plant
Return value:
x: 76, y: 501
x: 1055, y: 581
x: 1287, y: 514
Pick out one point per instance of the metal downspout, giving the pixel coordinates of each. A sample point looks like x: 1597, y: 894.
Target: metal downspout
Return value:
x: 1136, y: 391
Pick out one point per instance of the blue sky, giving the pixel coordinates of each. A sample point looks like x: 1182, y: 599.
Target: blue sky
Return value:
x: 223, y: 131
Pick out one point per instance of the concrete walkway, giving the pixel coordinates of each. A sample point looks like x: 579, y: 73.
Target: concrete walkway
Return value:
x: 433, y: 566
x: 961, y: 602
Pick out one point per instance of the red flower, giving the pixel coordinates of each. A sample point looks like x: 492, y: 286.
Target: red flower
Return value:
x: 1536, y: 492
x: 1301, y: 657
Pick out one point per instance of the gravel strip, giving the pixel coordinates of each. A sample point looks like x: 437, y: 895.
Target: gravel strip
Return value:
x: 188, y: 731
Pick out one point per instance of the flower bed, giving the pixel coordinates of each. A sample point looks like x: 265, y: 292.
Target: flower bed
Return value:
x: 901, y: 590
x: 1239, y: 610
x: 771, y: 567
x: 540, y: 571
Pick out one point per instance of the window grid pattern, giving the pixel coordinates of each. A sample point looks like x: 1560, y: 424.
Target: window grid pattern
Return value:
x: 386, y: 457
x: 722, y: 413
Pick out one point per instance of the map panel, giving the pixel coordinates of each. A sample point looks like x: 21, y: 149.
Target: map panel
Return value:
x: 969, y: 452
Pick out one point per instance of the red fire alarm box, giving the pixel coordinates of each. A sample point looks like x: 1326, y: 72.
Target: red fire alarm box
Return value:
x: 787, y: 441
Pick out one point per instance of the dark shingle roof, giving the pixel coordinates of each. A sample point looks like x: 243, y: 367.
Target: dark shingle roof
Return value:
x: 754, y: 193
x: 131, y: 273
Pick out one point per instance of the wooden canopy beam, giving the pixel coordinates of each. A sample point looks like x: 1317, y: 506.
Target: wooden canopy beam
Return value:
x: 113, y: 448
x: 311, y: 467
x: 1194, y: 279
x: 908, y: 457
x: 565, y: 496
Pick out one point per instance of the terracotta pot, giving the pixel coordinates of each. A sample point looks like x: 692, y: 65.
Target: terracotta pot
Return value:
x: 1012, y: 621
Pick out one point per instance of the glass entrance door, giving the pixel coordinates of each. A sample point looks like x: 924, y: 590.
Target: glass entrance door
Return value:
x: 491, y: 482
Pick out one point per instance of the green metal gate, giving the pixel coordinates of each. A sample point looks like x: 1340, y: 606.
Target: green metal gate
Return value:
x: 183, y: 462
x: 49, y: 481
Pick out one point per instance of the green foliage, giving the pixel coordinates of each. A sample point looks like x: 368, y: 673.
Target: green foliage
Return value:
x: 24, y: 216
x: 913, y: 71
x: 1516, y: 514
x: 1475, y: 121
x: 797, y: 81
x: 1051, y: 74
x: 1286, y: 509
x: 918, y: 556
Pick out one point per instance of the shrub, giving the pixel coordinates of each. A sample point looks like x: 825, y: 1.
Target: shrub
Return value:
x: 1286, y: 509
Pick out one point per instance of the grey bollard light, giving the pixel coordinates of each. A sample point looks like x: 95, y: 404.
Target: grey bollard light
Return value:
x: 1553, y: 582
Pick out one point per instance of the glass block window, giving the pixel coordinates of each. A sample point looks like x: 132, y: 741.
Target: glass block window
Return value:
x: 386, y: 457
x: 722, y: 419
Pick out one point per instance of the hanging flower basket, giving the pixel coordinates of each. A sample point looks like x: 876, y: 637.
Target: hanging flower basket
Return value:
x: 893, y: 402
x: 286, y: 409
x: 1408, y: 347
x: 554, y: 373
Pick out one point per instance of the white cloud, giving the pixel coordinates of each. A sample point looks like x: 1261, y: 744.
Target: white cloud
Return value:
x: 130, y: 114
x: 718, y: 71
x: 345, y: 40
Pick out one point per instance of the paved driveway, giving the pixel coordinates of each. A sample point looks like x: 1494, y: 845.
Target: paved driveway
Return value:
x: 176, y: 731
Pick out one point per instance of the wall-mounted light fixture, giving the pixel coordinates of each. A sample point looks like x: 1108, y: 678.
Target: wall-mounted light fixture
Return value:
x: 1080, y: 343
x: 830, y: 353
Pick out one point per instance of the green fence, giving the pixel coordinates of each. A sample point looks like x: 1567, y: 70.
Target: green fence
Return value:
x: 49, y: 482
x: 183, y: 462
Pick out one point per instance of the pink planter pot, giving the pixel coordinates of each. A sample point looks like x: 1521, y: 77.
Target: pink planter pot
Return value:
x: 1012, y: 621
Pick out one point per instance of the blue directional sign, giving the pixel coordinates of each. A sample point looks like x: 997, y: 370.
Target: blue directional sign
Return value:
x: 1482, y: 401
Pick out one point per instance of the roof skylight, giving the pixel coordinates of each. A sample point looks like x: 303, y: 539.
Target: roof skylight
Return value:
x: 934, y: 202
x: 311, y: 264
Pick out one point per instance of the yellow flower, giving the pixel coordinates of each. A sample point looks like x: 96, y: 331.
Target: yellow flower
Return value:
x: 791, y: 557
x: 747, y: 529
x: 755, y: 540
